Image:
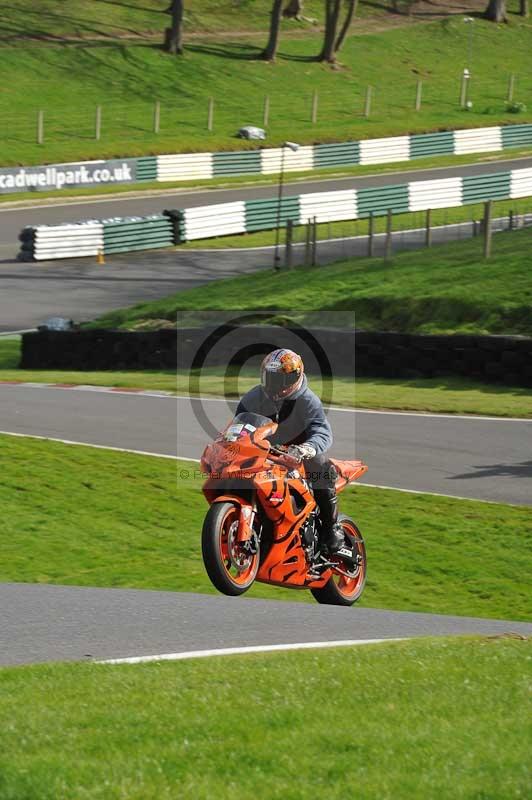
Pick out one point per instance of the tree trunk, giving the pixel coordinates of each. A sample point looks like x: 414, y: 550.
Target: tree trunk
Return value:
x: 523, y: 8
x: 293, y: 9
x: 270, y: 51
x: 173, y: 40
x: 332, y: 15
x: 496, y: 11
x: 351, y: 11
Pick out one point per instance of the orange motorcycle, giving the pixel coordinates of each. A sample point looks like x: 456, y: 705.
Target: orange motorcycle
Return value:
x: 263, y: 523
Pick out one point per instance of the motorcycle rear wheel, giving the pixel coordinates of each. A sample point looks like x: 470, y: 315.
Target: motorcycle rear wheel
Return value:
x: 231, y: 570
x: 339, y: 590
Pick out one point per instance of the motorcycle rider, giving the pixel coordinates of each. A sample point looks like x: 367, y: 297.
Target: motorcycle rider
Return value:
x: 283, y: 395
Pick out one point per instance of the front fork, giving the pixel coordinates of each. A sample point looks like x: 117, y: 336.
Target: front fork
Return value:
x: 246, y: 536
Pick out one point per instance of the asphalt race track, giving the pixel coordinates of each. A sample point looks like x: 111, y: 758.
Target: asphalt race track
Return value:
x: 60, y: 623
x: 80, y: 289
x: 487, y: 459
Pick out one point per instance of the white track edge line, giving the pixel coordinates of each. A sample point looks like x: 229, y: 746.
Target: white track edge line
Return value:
x: 232, y: 651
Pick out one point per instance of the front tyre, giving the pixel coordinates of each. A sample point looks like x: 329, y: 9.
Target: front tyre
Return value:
x: 231, y: 568
x: 341, y: 590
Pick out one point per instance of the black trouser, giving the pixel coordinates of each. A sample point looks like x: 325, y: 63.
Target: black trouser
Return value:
x: 322, y: 475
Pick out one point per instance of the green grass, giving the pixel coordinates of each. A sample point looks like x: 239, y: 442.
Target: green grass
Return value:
x: 126, y: 77
x: 62, y: 525
x: 443, y: 719
x: 449, y: 289
x: 440, y: 395
x: 346, y: 229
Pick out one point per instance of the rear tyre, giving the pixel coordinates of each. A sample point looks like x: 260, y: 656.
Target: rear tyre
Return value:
x: 340, y: 590
x: 231, y: 569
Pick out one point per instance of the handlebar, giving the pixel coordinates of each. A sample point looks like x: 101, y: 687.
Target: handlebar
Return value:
x: 282, y: 456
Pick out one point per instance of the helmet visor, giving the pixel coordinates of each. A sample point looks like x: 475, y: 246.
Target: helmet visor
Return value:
x: 279, y: 384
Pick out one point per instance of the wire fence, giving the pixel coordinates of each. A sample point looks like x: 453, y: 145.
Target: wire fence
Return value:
x: 334, y: 114
x: 343, y: 240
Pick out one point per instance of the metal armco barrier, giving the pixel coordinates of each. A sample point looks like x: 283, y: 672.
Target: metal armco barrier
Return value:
x: 246, y: 216
x: 204, y: 166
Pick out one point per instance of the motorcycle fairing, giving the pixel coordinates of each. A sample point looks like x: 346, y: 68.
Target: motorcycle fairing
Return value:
x: 348, y: 471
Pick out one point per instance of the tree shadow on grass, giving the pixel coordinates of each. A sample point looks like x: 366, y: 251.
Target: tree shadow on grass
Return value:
x: 233, y: 51
x: 40, y: 24
x: 133, y: 7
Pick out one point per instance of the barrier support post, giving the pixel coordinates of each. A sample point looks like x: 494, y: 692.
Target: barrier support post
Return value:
x: 308, y: 241
x: 100, y: 258
x: 388, y: 254
x: 40, y: 127
x: 487, y: 228
x: 428, y: 229
x: 511, y: 220
x: 371, y: 235
x: 289, y: 240
x: 314, y: 240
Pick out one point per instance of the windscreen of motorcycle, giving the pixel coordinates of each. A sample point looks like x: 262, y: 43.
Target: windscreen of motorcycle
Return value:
x: 244, y: 424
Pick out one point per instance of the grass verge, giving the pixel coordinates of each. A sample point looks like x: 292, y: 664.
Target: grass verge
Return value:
x: 445, y: 395
x: 62, y: 524
x: 448, y: 289
x: 252, y: 725
x: 125, y: 78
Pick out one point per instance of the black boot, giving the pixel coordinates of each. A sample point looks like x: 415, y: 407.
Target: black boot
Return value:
x: 332, y: 536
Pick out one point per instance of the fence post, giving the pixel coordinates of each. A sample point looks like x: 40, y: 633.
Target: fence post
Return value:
x: 419, y: 91
x: 463, y: 88
x: 428, y: 229
x: 314, y: 107
x: 511, y: 220
x: 289, y: 240
x: 210, y: 118
x: 371, y: 235
x: 314, y: 240
x: 367, y: 105
x: 388, y: 254
x: 40, y: 127
x: 98, y: 124
x: 487, y: 228
x: 266, y: 114
x: 157, y: 117
x: 511, y: 84
x: 308, y: 240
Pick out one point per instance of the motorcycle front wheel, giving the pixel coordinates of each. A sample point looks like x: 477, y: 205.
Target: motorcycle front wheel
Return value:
x: 339, y: 589
x: 231, y: 569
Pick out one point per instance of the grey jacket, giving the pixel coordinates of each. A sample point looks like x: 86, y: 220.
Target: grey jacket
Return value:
x: 301, y: 417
